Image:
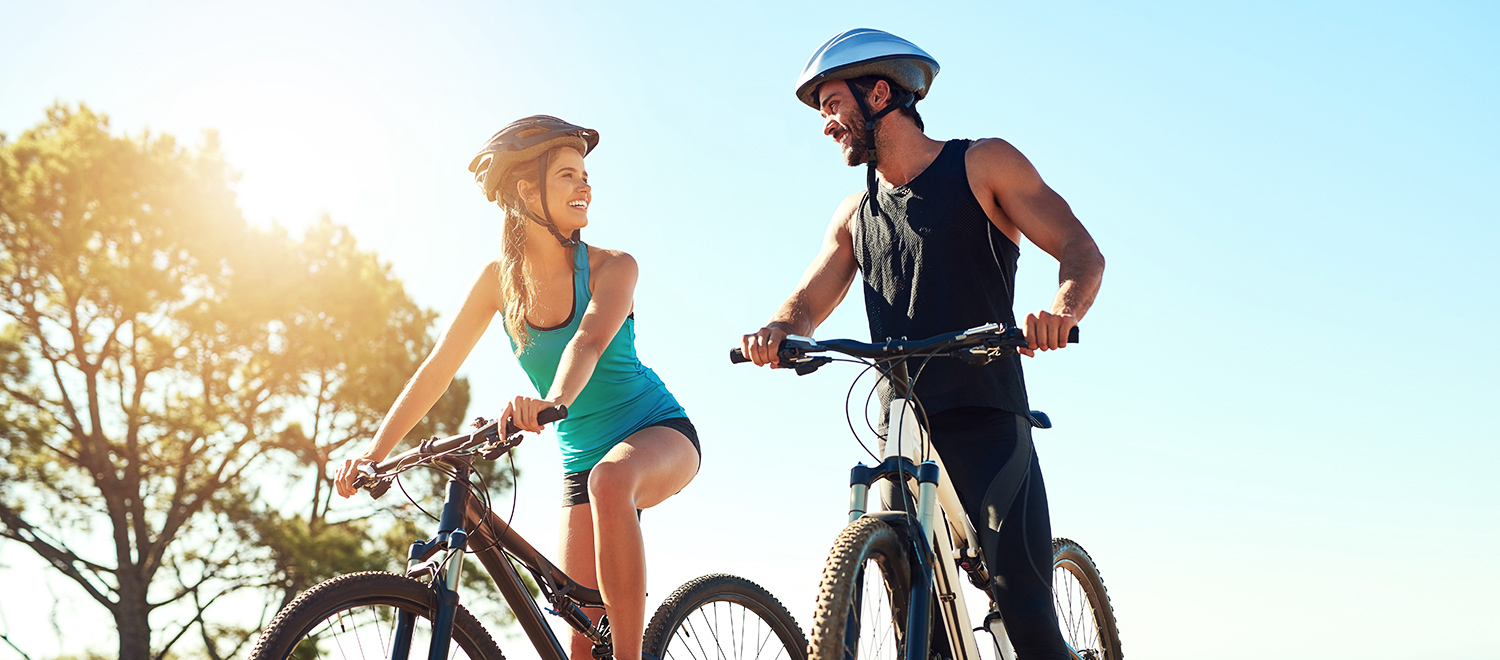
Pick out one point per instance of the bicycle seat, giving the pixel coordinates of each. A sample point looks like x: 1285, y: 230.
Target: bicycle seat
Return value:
x: 1039, y: 420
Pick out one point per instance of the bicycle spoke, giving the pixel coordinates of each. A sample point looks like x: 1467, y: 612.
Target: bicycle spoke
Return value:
x: 1075, y: 613
x: 724, y: 629
x: 873, y: 618
x: 698, y: 638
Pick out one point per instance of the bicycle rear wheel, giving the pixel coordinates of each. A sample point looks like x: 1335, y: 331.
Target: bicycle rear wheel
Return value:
x: 723, y: 617
x: 1083, y: 610
x: 354, y: 616
x: 863, y: 597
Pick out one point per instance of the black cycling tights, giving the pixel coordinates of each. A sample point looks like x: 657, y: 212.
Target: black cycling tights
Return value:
x: 975, y: 444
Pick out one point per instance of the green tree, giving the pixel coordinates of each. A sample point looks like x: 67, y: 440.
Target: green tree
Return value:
x: 176, y: 382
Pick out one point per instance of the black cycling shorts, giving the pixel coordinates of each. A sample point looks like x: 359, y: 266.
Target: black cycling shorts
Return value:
x: 576, y: 484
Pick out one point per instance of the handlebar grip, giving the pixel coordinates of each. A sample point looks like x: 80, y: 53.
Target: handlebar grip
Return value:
x: 546, y: 416
x: 736, y: 356
x: 1073, y: 335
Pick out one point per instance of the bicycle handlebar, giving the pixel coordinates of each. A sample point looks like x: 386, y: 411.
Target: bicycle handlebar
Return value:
x: 556, y: 413
x: 987, y: 338
x: 372, y: 475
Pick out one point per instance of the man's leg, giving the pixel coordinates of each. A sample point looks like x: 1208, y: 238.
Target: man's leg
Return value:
x: 1008, y: 505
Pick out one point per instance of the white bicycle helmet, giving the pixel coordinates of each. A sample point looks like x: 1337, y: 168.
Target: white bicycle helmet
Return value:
x: 864, y: 52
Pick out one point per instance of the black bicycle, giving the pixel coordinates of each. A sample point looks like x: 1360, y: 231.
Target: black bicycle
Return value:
x: 377, y: 614
x: 891, y: 585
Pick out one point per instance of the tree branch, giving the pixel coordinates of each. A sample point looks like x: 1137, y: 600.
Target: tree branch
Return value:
x: 6, y: 638
x: 63, y: 559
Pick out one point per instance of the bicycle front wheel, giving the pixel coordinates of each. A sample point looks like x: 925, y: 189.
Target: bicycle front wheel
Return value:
x: 863, y: 597
x: 723, y: 617
x: 1083, y: 610
x: 354, y: 616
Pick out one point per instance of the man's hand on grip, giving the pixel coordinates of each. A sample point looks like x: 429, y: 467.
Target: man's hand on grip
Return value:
x: 761, y: 347
x: 1046, y: 331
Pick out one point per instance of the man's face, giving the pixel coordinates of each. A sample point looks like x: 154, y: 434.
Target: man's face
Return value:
x: 843, y: 122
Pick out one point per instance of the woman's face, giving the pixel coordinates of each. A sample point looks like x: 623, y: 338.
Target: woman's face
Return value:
x: 568, y: 192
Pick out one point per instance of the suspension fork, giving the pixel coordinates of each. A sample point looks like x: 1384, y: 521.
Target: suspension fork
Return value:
x: 451, y: 540
x: 918, y: 539
x: 919, y: 612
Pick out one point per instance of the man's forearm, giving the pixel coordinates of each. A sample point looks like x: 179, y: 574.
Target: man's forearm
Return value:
x: 1079, y: 275
x: 793, y: 316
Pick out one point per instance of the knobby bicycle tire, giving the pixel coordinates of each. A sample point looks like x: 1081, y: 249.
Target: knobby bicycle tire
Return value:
x: 863, y: 596
x: 1083, y: 609
x: 352, y: 616
x: 723, y: 617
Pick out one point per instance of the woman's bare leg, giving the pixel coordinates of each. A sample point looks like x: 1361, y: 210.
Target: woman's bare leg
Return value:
x: 576, y: 547
x: 639, y: 473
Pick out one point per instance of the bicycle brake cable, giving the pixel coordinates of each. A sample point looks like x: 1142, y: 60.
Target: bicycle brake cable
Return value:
x: 849, y: 417
x: 482, y: 491
x: 488, y: 501
x: 917, y: 403
x: 411, y: 499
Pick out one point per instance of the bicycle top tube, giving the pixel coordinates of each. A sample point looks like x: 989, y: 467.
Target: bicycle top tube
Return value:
x: 484, y: 442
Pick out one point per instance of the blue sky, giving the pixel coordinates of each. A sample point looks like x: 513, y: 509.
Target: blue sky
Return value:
x: 1276, y: 435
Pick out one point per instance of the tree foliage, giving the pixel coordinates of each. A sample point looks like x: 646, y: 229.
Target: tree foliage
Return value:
x: 175, y: 382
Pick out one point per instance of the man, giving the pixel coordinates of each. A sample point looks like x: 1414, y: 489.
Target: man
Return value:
x: 936, y: 238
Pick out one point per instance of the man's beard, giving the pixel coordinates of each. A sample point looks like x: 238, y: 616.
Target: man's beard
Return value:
x: 860, y: 142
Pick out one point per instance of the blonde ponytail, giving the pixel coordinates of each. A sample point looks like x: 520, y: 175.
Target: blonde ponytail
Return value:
x: 515, y: 273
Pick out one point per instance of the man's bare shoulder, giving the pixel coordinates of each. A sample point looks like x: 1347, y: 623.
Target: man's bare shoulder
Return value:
x: 993, y: 151
x: 843, y: 216
x: 999, y: 165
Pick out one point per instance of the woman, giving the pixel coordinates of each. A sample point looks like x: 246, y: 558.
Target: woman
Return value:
x: 567, y: 308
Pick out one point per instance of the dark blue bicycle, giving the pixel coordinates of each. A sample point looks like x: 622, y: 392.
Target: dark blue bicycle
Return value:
x: 418, y: 614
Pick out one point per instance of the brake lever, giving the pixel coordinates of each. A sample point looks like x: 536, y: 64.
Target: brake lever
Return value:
x: 378, y: 490
x: 366, y: 480
x: 975, y: 356
x: 498, y: 449
x: 812, y: 364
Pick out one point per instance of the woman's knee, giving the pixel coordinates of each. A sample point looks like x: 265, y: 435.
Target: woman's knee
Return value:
x: 612, y: 484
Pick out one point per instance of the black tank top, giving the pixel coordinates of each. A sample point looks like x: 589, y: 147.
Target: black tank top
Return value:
x: 934, y: 263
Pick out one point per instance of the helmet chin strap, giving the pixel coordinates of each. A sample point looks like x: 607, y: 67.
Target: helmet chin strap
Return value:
x: 906, y: 100
x: 547, y: 220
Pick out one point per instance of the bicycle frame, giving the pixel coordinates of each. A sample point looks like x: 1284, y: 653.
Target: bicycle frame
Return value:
x: 951, y: 546
x: 948, y: 546
x: 442, y: 558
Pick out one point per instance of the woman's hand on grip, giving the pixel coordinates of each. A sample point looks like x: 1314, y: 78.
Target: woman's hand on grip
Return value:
x: 523, y: 410
x: 343, y: 479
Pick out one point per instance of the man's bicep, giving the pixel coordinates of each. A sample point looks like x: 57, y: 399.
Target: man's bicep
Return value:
x: 1041, y: 214
x: 827, y: 279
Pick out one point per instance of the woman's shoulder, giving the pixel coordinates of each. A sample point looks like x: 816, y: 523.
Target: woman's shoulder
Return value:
x: 613, y: 261
x: 486, y: 285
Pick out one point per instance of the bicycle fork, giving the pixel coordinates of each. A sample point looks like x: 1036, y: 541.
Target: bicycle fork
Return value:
x: 443, y: 557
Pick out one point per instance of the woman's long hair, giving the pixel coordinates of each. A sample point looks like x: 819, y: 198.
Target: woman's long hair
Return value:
x: 515, y: 273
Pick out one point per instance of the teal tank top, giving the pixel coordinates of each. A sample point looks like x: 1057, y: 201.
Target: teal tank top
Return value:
x: 622, y: 396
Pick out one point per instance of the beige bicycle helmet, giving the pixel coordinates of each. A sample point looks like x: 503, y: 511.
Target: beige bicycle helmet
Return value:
x: 523, y: 140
